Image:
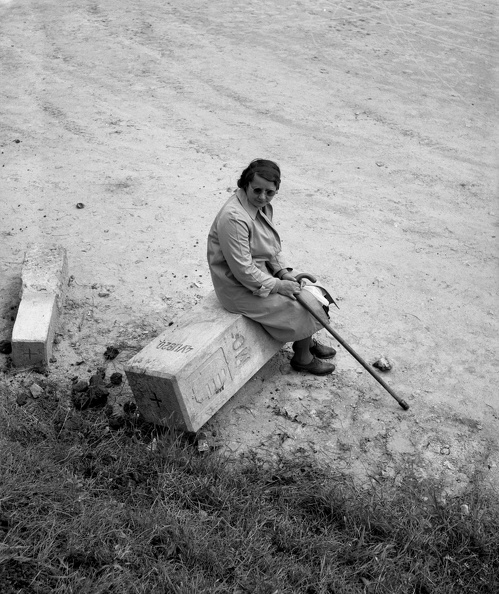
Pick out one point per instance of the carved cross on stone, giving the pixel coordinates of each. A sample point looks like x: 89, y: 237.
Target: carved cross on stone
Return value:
x: 155, y: 399
x: 29, y: 353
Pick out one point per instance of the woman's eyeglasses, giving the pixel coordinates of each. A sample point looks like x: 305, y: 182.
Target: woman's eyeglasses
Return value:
x: 268, y: 193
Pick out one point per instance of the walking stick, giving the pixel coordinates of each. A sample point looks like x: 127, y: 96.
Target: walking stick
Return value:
x: 328, y: 327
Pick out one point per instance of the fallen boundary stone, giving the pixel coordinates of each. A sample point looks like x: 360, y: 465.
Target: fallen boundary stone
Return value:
x: 189, y: 371
x: 44, y: 283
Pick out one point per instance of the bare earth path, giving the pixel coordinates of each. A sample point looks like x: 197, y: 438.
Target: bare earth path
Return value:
x: 382, y: 116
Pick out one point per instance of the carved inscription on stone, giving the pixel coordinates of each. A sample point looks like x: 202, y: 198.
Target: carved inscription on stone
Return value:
x: 165, y: 345
x: 210, y: 378
x: 243, y: 353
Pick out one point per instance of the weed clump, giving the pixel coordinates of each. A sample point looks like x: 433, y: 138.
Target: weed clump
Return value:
x: 86, y: 509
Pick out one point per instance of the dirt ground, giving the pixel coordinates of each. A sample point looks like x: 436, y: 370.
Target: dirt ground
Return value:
x: 382, y: 117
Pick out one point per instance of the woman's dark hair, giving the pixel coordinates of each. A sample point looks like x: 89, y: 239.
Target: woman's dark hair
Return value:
x: 264, y: 168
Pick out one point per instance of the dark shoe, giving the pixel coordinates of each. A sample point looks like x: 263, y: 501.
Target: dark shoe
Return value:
x: 322, y: 351
x: 316, y: 366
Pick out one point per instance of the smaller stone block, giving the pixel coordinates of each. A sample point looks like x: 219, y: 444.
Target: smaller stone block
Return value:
x: 44, y: 283
x: 34, y: 330
x: 187, y: 373
x: 45, y: 270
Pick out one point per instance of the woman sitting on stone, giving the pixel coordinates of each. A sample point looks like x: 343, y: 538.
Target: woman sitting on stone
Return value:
x: 250, y: 275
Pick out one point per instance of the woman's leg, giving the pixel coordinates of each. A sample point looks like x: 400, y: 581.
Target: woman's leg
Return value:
x: 302, y: 351
x: 305, y: 360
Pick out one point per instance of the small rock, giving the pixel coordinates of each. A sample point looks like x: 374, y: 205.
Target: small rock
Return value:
x: 90, y: 395
x: 103, y: 294
x: 35, y: 390
x: 116, y: 422
x: 93, y: 398
x: 445, y: 450
x: 465, y: 510
x: 5, y: 347
x: 80, y: 205
x: 111, y: 352
x: 80, y: 386
x: 203, y: 443
x: 382, y: 364
x: 129, y: 408
x: 116, y: 378
x: 99, y: 391
x: 95, y: 379
x: 21, y: 399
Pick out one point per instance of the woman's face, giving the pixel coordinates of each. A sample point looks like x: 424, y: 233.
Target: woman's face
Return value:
x: 260, y: 192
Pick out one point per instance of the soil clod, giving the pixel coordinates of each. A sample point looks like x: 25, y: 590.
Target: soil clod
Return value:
x: 116, y: 378
x: 111, y: 352
x: 5, y: 347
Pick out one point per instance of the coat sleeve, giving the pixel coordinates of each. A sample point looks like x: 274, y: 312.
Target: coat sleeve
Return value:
x: 233, y: 236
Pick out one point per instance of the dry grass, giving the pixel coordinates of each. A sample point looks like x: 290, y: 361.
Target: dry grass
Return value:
x: 88, y: 510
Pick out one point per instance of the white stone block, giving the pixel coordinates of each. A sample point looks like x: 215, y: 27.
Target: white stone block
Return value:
x: 187, y: 373
x: 44, y: 283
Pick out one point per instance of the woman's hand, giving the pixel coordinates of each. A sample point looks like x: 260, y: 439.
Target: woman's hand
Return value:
x: 289, y: 288
x: 289, y: 277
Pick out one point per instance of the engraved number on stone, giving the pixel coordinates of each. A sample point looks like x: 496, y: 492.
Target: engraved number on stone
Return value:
x: 242, y: 353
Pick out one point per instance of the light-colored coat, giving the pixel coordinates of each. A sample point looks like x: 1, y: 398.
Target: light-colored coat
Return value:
x: 244, y: 255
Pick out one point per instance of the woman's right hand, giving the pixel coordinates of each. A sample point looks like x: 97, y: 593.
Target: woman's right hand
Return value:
x: 289, y: 288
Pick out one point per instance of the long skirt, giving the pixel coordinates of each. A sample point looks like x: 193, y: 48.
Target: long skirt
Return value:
x: 283, y: 318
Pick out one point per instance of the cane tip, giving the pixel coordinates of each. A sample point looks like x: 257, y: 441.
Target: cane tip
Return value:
x: 404, y: 404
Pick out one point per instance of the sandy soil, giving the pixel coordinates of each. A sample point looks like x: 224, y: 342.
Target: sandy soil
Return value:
x: 381, y: 115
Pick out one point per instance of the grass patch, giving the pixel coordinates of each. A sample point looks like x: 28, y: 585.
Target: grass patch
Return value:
x: 84, y: 509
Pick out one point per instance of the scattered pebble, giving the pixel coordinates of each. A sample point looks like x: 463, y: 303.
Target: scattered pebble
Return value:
x: 36, y: 390
x: 465, y: 510
x: 445, y: 450
x: 80, y: 205
x: 382, y: 364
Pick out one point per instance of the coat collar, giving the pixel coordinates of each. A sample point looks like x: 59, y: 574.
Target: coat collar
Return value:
x: 245, y: 203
